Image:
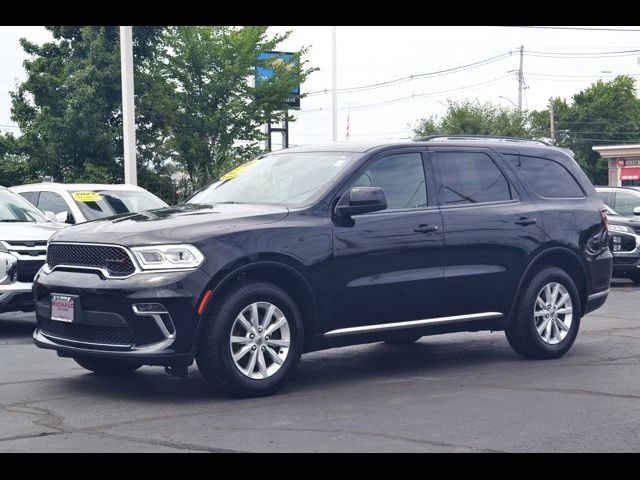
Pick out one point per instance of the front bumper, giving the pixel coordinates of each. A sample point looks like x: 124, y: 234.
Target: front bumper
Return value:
x: 16, y: 296
x: 106, y: 324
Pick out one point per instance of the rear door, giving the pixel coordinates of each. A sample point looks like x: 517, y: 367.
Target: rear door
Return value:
x: 490, y: 229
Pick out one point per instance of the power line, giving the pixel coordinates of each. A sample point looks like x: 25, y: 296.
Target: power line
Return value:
x: 597, y: 29
x: 496, y: 80
x: 408, y: 78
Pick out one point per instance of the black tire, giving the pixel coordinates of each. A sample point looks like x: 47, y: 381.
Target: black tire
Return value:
x: 635, y: 277
x: 214, y: 357
x: 522, y: 333
x: 403, y: 338
x: 106, y: 366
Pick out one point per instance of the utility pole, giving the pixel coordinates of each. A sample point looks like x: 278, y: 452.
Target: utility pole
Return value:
x: 334, y: 84
x: 520, y: 79
x: 552, y: 125
x: 128, y: 106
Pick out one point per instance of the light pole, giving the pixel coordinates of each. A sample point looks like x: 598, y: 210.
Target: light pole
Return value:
x: 334, y: 84
x: 508, y: 100
x: 128, y: 106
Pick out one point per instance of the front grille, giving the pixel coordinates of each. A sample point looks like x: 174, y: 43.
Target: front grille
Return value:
x: 15, y: 244
x: 114, y: 260
x: 27, y: 269
x: 88, y: 333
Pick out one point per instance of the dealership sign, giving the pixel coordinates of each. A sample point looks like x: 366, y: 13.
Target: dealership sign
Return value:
x: 265, y: 72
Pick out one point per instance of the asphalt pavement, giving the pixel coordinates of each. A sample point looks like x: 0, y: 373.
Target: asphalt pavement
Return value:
x: 451, y: 393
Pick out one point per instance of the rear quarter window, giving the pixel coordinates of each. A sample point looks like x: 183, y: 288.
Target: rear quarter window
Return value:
x: 547, y: 178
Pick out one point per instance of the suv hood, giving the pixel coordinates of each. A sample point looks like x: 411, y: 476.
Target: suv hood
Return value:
x: 12, y: 231
x: 186, y: 223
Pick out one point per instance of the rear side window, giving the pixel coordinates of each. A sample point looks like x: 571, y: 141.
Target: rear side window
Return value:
x: 30, y: 197
x: 545, y: 177
x: 471, y: 177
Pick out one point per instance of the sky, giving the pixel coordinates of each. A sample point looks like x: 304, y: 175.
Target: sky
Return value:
x: 557, y: 62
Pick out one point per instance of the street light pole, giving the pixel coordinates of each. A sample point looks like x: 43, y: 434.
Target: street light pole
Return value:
x: 508, y: 100
x: 334, y: 84
x: 128, y: 106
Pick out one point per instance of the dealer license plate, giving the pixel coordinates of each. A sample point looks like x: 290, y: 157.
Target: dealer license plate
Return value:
x: 62, y: 308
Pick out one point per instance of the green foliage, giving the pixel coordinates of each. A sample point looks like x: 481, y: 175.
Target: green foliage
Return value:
x: 217, y: 113
x: 196, y: 108
x: 606, y: 113
x: 474, y: 118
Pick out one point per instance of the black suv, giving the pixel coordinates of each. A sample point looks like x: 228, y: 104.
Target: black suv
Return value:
x: 313, y: 248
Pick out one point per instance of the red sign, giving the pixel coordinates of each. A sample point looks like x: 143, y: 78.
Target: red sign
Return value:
x: 620, y: 162
x: 630, y: 173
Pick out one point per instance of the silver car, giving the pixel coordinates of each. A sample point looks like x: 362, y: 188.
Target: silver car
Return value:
x: 24, y: 233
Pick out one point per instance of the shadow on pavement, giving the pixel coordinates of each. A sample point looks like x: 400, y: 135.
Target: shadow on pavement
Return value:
x: 354, y: 367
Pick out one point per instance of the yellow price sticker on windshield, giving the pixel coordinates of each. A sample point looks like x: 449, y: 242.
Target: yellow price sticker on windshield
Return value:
x: 86, y: 196
x: 238, y: 170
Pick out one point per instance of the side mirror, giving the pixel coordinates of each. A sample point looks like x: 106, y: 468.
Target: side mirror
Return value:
x: 50, y: 216
x: 61, y: 217
x: 361, y: 200
x: 636, y: 210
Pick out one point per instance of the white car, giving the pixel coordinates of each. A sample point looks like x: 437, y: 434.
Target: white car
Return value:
x: 76, y: 203
x: 24, y: 233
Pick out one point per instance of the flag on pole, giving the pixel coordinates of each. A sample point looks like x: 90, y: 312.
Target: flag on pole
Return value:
x: 348, y: 126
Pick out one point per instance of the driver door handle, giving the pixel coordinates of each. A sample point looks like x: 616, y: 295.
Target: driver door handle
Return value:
x: 424, y: 228
x: 526, y: 221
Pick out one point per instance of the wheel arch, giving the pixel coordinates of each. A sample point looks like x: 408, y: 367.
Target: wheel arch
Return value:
x: 560, y: 257
x: 275, y: 270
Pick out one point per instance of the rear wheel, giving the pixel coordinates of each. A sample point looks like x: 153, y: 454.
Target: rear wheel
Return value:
x: 252, y: 341
x: 106, y: 366
x: 547, y: 318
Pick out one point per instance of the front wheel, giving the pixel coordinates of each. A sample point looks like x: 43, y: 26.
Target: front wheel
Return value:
x: 547, y: 318
x: 252, y: 340
x: 106, y: 366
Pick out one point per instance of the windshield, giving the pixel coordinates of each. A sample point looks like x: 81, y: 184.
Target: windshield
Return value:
x: 106, y: 203
x: 283, y: 178
x: 14, y: 208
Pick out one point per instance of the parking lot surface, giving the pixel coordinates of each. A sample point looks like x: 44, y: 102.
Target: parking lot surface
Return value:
x: 452, y: 393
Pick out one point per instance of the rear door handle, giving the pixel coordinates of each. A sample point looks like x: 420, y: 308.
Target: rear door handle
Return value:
x: 526, y: 221
x: 424, y: 228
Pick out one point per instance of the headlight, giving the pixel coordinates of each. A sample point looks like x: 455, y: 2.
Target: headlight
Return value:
x: 3, y: 248
x: 164, y: 257
x: 620, y: 228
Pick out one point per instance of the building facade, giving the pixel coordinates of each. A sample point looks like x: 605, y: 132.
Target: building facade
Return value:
x: 624, y: 164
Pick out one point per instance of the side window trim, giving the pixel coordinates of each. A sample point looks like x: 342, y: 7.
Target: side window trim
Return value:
x: 433, y: 153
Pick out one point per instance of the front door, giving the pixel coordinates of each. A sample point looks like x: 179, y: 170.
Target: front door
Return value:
x: 388, y: 264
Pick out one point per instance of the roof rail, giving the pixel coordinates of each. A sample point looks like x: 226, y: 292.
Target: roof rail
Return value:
x: 480, y: 137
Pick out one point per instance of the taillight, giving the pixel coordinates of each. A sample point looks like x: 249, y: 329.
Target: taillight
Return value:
x: 605, y: 219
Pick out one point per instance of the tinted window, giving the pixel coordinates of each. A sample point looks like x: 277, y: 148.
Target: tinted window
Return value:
x: 30, y: 197
x: 546, y: 177
x: 401, y: 177
x: 625, y: 203
x: 471, y: 177
x: 52, y: 202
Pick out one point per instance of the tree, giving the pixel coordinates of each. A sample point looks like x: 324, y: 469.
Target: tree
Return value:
x: 474, y: 118
x: 69, y: 107
x: 605, y: 113
x: 217, y: 114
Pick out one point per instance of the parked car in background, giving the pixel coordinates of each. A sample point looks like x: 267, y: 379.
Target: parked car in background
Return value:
x: 624, y: 242
x: 622, y: 200
x: 78, y: 203
x: 327, y: 246
x: 24, y: 232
